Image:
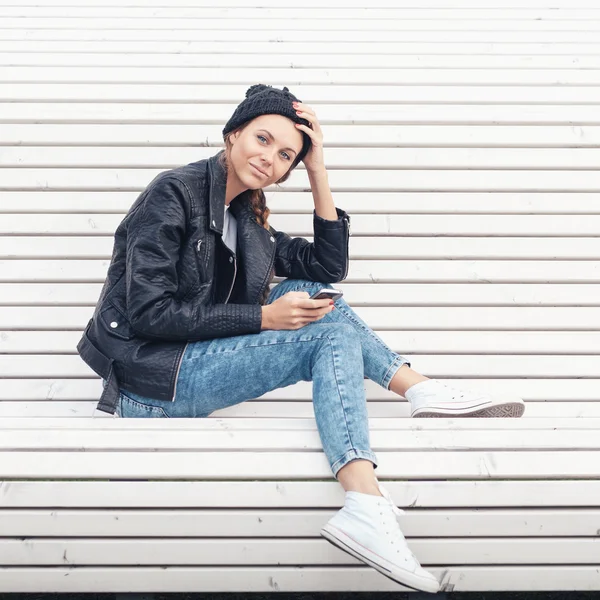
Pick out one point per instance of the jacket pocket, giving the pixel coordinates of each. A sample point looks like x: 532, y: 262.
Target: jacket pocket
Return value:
x: 201, y: 257
x: 115, y: 322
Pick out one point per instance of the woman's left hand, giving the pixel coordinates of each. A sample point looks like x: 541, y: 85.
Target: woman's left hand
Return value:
x: 313, y: 161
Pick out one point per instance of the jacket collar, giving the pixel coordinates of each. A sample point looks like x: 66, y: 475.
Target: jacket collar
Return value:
x: 239, y: 206
x: 252, y: 239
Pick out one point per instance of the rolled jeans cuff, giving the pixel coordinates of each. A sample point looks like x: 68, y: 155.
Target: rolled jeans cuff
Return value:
x: 398, y: 362
x: 353, y: 455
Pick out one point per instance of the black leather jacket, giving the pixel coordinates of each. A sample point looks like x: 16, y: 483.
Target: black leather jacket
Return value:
x: 172, y: 280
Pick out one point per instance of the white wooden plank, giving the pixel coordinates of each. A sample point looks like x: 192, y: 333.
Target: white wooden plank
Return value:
x: 573, y: 248
x: 286, y: 494
x: 223, y: 99
x: 361, y: 271
x: 198, y: 426
x: 68, y: 11
x: 339, y: 179
x: 300, y: 51
x: 357, y: 578
x: 403, y: 342
x: 393, y: 409
x: 165, y: 440
x: 397, y: 408
x: 462, y: 136
x: 310, y: 94
x: 110, y: 552
x: 373, y: 224
x: 336, y: 158
x: 299, y: 22
x: 357, y: 36
x: 78, y: 391
x: 270, y: 579
x: 45, y: 395
x: 356, y: 294
x: 292, y: 76
x: 549, y: 464
x: 436, y: 365
x: 11, y: 56
x: 287, y: 202
x: 480, y: 271
x: 395, y: 4
x: 364, y: 114
x: 387, y: 317
x: 178, y: 523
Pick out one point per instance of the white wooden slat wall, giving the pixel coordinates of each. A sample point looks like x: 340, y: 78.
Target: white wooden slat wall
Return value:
x: 463, y: 137
x: 452, y: 183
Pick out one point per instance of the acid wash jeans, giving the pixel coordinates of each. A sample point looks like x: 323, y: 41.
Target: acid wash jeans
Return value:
x: 335, y: 353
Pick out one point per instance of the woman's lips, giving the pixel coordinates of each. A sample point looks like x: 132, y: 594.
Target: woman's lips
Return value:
x: 260, y: 173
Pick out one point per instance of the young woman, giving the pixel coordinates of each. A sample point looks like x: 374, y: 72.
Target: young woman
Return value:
x: 186, y: 323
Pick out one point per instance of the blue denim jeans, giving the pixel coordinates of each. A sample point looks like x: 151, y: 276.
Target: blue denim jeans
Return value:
x: 335, y: 353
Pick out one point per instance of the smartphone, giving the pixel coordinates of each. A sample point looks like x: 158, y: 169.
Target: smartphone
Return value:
x: 329, y: 293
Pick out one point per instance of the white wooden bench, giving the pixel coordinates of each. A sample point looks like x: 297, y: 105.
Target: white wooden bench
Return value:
x: 464, y: 141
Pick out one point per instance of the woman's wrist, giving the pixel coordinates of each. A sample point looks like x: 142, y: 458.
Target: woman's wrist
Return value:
x: 316, y: 173
x: 265, y: 324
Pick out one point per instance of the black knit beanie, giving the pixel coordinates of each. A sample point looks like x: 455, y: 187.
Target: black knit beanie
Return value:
x: 264, y: 100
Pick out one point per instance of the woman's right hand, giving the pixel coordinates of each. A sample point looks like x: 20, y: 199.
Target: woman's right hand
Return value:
x: 293, y: 311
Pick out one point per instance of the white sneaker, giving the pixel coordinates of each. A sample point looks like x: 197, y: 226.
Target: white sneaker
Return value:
x: 366, y: 527
x: 433, y: 398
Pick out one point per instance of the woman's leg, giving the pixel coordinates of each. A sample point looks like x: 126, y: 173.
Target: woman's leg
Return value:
x: 381, y: 364
x: 366, y: 527
x: 431, y: 397
x: 222, y: 372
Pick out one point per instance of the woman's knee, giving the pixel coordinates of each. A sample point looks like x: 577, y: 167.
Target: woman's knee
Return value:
x: 344, y: 333
x: 340, y: 349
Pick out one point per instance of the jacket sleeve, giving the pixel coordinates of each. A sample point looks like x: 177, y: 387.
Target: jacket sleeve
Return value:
x: 154, y: 237
x: 325, y: 259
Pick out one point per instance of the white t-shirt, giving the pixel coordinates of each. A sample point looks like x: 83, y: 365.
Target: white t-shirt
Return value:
x: 230, y: 230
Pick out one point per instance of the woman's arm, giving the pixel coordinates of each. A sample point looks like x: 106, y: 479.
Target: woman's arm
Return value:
x: 319, y: 185
x: 327, y: 258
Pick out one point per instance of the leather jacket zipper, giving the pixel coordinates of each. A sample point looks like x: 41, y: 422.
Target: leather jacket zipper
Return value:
x: 273, y: 253
x: 199, y: 261
x: 348, y: 234
x: 177, y: 374
x: 233, y: 282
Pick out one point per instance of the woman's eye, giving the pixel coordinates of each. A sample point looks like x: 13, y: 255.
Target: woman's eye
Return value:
x: 262, y: 137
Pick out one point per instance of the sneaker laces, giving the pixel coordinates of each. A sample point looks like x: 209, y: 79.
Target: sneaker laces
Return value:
x: 453, y: 390
x: 388, y: 497
x: 396, y: 530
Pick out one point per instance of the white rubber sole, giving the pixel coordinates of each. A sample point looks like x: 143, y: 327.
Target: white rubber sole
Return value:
x: 344, y: 542
x: 511, y: 409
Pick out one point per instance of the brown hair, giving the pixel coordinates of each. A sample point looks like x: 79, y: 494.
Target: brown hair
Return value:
x: 258, y: 201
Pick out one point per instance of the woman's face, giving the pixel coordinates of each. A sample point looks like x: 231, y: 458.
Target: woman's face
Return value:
x: 269, y: 143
